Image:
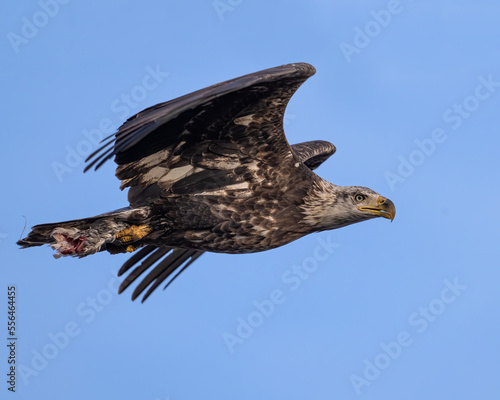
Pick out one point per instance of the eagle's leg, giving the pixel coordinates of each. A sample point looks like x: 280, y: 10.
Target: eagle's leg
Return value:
x: 133, y: 233
x: 127, y: 240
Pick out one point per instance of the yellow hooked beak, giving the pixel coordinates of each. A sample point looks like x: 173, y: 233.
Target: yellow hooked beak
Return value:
x: 384, y: 208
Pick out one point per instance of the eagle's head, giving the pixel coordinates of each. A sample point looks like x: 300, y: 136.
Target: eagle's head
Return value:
x: 328, y: 206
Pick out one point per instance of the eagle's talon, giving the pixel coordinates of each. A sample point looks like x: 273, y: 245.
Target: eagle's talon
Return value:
x: 135, y: 232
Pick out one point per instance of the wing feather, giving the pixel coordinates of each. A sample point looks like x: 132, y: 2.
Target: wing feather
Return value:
x: 313, y: 153
x: 227, y: 129
x: 163, y: 260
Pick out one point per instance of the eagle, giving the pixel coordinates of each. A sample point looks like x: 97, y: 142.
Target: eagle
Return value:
x: 212, y: 171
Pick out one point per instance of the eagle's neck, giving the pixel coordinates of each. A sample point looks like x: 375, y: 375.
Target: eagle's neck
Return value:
x: 325, y: 207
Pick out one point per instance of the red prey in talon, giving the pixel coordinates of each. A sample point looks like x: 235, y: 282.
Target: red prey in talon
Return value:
x: 70, y: 245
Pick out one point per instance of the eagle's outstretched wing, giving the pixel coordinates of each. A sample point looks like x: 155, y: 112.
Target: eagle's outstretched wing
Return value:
x: 167, y: 260
x: 228, y: 136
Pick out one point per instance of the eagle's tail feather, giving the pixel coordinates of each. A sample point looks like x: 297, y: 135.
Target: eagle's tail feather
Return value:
x: 112, y: 231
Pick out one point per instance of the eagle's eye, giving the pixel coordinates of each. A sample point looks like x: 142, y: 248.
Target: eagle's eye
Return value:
x: 359, y: 197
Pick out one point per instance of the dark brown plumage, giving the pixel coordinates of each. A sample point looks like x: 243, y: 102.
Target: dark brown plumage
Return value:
x: 213, y: 171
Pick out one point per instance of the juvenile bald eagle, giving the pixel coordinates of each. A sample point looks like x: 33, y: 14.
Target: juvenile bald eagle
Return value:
x: 212, y: 171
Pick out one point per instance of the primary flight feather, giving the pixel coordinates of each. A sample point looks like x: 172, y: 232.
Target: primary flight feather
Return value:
x: 212, y: 171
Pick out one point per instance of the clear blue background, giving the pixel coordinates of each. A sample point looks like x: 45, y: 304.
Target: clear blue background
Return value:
x: 372, y: 105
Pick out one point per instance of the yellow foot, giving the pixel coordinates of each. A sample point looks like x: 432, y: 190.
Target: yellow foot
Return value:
x: 130, y: 248
x: 135, y: 232
x: 117, y: 249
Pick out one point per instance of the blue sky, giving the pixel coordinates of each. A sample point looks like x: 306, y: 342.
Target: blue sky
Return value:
x: 408, y: 91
